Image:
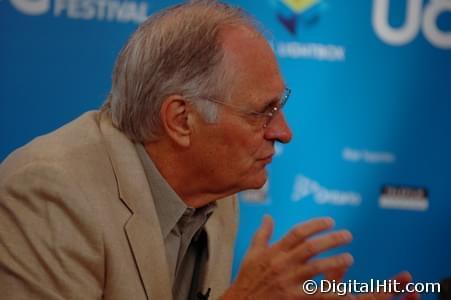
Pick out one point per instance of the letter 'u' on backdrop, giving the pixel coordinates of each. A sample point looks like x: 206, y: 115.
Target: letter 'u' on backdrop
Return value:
x: 370, y: 111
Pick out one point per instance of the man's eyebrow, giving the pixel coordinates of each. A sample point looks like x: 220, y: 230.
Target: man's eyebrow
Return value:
x: 275, y: 100
x: 270, y: 103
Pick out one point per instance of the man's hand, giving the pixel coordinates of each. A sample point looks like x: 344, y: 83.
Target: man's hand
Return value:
x: 403, y: 278
x: 277, y: 271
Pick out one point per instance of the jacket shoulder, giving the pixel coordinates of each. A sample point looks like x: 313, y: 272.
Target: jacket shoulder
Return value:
x: 78, y: 144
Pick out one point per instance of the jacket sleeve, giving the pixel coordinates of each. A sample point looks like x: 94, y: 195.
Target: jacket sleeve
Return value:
x: 50, y: 245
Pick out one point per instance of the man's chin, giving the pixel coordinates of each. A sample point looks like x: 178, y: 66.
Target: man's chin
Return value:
x: 259, y: 180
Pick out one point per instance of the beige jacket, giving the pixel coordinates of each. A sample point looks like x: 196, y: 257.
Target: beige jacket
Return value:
x: 77, y: 221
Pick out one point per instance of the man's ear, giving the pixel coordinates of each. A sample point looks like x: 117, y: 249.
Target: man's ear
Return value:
x: 176, y: 118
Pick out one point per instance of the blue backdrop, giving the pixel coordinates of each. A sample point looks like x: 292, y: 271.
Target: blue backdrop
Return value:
x: 370, y: 112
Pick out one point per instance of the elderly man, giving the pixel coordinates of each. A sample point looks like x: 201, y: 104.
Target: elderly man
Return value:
x: 136, y: 201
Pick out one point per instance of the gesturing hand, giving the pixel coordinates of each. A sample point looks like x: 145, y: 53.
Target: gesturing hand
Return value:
x: 277, y: 271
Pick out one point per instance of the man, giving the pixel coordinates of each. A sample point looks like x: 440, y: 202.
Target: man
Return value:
x: 136, y: 201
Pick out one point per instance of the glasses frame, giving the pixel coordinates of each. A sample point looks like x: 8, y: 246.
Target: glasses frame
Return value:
x: 252, y: 113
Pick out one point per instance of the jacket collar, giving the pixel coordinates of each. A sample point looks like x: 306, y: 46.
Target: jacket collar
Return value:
x: 143, y: 228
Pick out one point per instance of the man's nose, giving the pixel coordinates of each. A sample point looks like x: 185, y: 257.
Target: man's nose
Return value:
x: 278, y: 129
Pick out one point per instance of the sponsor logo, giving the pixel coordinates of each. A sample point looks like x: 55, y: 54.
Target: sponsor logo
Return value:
x: 100, y: 10
x: 305, y: 187
x: 32, y: 7
x: 416, y: 17
x: 367, y: 156
x: 404, y: 197
x: 315, y: 51
x: 291, y: 13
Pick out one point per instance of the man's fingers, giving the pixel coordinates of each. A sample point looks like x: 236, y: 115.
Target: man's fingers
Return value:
x: 312, y: 247
x: 319, y: 266
x: 303, y: 231
x: 402, y: 278
x: 336, y: 274
x: 263, y: 234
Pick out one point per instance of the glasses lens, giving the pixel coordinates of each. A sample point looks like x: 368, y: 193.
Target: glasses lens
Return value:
x: 285, y: 97
x: 276, y: 109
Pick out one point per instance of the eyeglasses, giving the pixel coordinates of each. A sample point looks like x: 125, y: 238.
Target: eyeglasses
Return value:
x: 264, y: 117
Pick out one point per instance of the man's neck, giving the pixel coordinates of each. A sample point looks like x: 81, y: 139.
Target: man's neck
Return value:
x: 176, y: 166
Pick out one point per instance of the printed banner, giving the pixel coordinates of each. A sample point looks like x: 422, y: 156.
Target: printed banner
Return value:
x: 370, y: 112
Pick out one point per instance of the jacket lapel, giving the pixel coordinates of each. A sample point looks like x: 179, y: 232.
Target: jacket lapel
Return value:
x: 143, y: 228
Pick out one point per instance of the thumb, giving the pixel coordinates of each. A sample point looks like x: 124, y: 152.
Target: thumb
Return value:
x: 263, y: 234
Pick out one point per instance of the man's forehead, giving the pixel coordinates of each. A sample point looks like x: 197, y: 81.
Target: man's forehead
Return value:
x: 237, y: 38
x: 251, y: 59
x: 244, y: 49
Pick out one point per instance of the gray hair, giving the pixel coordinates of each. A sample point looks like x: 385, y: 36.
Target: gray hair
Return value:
x: 175, y: 51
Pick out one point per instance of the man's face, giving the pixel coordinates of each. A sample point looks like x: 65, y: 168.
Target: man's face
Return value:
x: 236, y: 149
